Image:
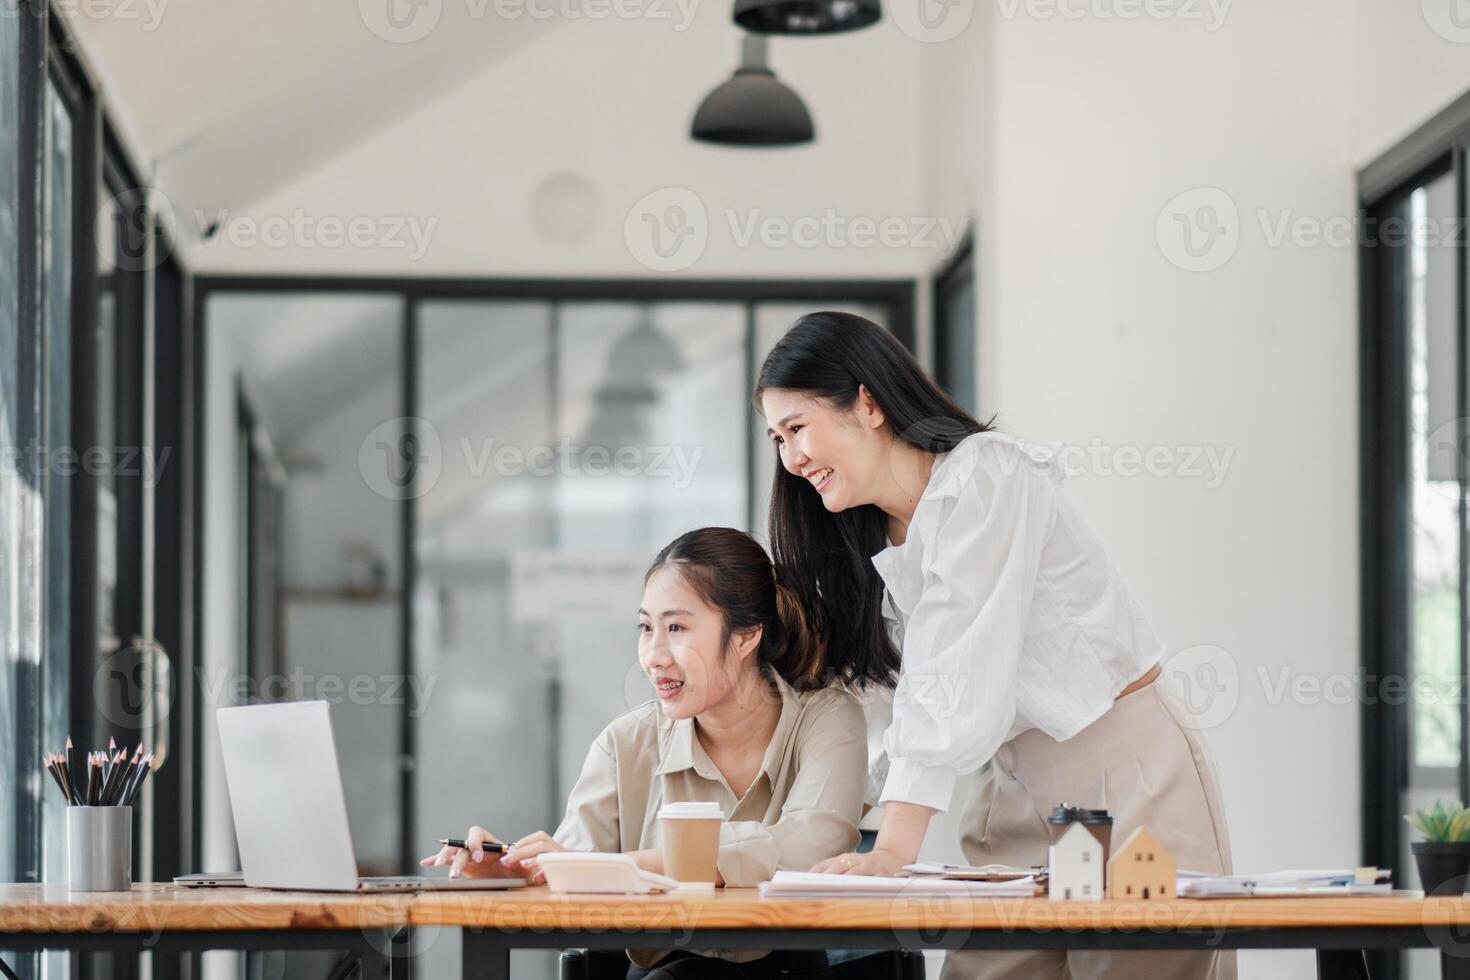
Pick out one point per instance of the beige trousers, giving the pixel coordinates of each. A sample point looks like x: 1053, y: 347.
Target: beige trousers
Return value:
x: 1142, y: 761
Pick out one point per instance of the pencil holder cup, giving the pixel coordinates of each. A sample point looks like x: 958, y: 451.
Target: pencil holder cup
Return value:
x: 99, y: 848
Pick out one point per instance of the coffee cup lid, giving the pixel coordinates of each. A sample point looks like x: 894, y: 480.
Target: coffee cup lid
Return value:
x: 1063, y: 813
x: 692, y: 811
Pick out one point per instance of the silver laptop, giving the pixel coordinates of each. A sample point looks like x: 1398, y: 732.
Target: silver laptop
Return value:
x: 290, y: 813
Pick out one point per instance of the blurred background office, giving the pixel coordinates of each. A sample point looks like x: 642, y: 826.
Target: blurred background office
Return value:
x: 369, y: 351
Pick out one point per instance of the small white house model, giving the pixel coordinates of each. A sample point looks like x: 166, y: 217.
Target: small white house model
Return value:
x: 1076, y: 866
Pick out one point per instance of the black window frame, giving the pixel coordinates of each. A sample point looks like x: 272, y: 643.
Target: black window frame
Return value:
x: 158, y: 388
x: 958, y: 272
x: 1437, y: 148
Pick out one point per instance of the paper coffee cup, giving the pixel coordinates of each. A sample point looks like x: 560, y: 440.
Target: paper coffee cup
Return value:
x: 691, y: 842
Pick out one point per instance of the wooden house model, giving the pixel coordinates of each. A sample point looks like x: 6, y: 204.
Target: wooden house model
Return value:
x: 1075, y: 866
x: 1140, y: 870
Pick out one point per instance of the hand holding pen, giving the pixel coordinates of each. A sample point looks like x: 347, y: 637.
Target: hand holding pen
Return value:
x: 468, y: 856
x: 517, y: 860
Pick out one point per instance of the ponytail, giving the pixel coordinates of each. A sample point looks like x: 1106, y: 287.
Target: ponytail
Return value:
x: 801, y: 647
x: 731, y: 572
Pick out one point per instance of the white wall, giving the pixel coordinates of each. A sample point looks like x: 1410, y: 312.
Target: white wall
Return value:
x: 1410, y: 61
x: 1089, y: 332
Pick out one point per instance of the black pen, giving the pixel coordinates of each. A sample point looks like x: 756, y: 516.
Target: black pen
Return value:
x: 488, y: 845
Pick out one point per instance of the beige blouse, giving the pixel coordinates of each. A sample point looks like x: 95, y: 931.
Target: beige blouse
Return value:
x: 803, y: 806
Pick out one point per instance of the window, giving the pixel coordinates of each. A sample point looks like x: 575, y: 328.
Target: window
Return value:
x: 1414, y: 423
x: 955, y: 327
x: 17, y: 681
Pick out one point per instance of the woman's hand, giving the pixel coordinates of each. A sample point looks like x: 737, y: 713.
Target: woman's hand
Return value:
x: 471, y: 860
x: 874, y: 862
x: 521, y: 858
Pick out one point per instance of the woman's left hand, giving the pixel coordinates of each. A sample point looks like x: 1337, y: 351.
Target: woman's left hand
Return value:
x: 523, y: 853
x: 873, y: 862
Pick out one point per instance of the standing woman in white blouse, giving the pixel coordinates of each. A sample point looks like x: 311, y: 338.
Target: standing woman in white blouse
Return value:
x: 996, y: 645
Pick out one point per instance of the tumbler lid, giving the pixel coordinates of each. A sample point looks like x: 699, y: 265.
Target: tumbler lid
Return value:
x: 1063, y: 813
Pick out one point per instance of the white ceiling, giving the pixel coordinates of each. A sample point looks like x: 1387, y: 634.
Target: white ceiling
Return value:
x: 231, y: 100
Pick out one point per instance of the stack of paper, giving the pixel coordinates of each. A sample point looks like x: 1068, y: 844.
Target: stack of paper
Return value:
x: 1277, y: 884
x: 809, y: 884
x: 970, y: 872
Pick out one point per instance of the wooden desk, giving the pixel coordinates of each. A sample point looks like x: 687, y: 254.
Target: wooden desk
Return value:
x: 163, y: 918
x: 1337, y: 928
x: 375, y: 927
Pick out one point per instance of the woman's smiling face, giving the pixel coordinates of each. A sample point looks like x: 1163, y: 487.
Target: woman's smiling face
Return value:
x: 838, y: 453
x: 680, y: 640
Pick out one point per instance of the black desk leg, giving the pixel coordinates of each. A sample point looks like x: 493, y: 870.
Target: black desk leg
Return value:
x: 1342, y: 964
x: 1454, y: 965
x: 482, y: 957
x: 400, y: 962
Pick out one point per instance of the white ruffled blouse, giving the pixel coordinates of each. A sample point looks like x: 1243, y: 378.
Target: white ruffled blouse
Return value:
x: 1009, y: 615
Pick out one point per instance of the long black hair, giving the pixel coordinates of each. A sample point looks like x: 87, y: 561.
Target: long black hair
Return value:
x: 825, y: 558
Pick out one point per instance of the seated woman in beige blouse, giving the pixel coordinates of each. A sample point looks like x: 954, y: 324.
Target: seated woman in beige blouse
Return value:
x: 722, y: 644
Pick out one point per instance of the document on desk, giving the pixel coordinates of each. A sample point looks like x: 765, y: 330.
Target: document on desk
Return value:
x: 1286, y: 884
x: 969, y: 872
x: 808, y: 884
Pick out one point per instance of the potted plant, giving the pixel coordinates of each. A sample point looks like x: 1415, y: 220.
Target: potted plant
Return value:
x: 1444, y: 854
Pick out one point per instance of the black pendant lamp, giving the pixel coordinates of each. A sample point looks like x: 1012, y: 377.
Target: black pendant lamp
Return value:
x: 805, y: 16
x: 753, y: 108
